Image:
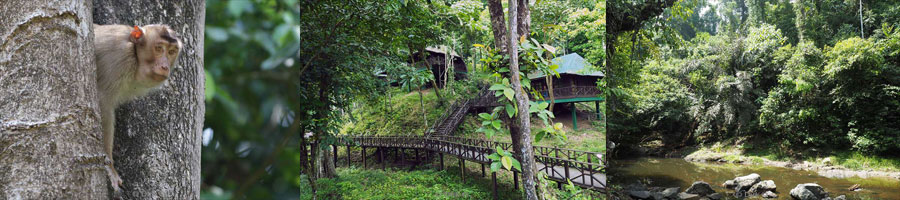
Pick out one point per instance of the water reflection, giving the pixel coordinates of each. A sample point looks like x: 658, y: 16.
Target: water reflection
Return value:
x: 674, y: 172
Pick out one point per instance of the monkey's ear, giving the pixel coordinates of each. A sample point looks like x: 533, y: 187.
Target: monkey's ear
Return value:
x: 137, y: 35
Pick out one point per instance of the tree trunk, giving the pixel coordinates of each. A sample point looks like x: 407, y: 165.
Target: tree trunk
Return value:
x: 523, y: 118
x: 157, y: 142
x: 498, y: 25
x: 50, y: 139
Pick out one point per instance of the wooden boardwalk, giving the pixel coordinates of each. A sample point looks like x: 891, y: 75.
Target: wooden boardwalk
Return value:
x: 583, y: 168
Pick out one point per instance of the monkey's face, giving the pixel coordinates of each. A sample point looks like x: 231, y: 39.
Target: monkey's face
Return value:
x: 158, y: 48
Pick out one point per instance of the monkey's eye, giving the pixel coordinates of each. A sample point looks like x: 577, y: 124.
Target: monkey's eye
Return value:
x: 172, y: 52
x: 159, y: 49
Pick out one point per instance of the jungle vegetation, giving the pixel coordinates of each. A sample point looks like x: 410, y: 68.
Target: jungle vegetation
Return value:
x: 801, y: 78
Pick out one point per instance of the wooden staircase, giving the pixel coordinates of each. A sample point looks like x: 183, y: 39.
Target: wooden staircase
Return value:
x: 454, y: 115
x: 451, y: 118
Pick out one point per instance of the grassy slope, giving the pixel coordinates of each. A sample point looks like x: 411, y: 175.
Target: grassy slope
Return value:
x: 401, y: 116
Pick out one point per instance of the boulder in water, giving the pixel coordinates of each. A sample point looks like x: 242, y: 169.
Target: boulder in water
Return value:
x: 769, y: 195
x: 729, y: 184
x: 700, y: 188
x: 809, y: 191
x: 743, y: 183
x: 762, y: 187
x: 686, y: 196
x: 715, y: 196
x: 639, y: 194
x: 842, y: 197
x: 670, y: 192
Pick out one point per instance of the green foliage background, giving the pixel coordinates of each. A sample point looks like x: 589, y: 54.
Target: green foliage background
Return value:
x: 789, y: 74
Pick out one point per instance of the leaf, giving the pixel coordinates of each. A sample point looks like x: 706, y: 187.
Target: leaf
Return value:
x: 490, y: 133
x: 494, y: 156
x: 516, y: 164
x: 496, y: 124
x: 478, y: 45
x: 558, y: 126
x: 510, y: 110
x: 497, y: 87
x: 509, y: 94
x: 539, y: 136
x: 507, y: 162
x: 504, y: 69
x: 495, y: 166
x: 543, y: 105
x: 485, y: 116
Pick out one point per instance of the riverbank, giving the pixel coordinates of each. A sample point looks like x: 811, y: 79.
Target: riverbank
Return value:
x: 834, y: 165
x: 665, y: 173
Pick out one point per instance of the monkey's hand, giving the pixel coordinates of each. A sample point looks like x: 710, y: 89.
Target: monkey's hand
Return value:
x: 115, y: 180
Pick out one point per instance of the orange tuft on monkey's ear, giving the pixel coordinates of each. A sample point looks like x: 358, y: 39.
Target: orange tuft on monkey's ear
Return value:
x: 137, y: 33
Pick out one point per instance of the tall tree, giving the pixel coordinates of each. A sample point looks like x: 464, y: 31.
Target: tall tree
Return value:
x: 157, y: 143
x: 50, y: 146
x: 520, y: 126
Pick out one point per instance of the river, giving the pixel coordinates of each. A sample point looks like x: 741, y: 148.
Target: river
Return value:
x: 676, y: 172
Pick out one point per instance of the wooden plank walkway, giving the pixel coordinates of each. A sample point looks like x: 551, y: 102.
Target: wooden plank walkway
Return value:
x: 583, y: 168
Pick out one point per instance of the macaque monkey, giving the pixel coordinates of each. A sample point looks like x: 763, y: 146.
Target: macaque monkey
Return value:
x: 131, y: 62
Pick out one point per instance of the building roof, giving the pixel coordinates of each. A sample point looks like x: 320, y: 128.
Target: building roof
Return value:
x: 571, y: 64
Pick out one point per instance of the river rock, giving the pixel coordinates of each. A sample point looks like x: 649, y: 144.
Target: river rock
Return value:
x: 670, y: 192
x: 769, y: 195
x: 639, y: 194
x: 762, y: 187
x: 729, y: 184
x: 700, y: 188
x: 743, y: 183
x: 715, y: 196
x: 809, y: 191
x: 842, y: 197
x: 686, y: 196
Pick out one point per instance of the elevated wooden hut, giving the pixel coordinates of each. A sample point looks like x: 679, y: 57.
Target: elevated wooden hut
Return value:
x: 436, y: 57
x: 577, y: 82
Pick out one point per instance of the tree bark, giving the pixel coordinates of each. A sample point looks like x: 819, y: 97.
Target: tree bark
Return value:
x: 50, y: 139
x: 520, y: 130
x: 498, y: 25
x: 157, y: 142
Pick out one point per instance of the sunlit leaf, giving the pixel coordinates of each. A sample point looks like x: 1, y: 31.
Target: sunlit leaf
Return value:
x: 507, y: 162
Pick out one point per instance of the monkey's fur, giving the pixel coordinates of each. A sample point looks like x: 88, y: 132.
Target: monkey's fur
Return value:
x: 131, y: 62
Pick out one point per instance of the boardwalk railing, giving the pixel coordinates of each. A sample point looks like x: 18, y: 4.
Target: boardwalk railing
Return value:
x: 583, y: 168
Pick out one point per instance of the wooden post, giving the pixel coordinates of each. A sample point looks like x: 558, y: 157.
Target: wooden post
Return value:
x: 381, y: 155
x: 400, y: 150
x: 574, y: 118
x: 494, y: 178
x: 365, y: 164
x: 559, y: 185
x: 462, y: 168
x: 597, y: 109
x: 348, y: 155
x: 442, y: 160
x: 416, y: 151
x: 482, y: 170
x: 515, y: 179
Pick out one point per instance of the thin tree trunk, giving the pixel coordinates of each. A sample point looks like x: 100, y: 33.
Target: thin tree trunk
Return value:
x: 50, y: 140
x: 325, y: 165
x: 157, y: 142
x: 424, y: 113
x: 549, y: 80
x: 523, y: 133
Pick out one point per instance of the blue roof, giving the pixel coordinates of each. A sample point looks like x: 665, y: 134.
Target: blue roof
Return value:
x: 571, y: 64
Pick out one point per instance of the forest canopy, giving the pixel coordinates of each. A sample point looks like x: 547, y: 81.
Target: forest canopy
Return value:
x: 807, y: 74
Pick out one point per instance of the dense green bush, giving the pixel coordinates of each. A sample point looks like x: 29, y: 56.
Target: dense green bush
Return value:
x: 843, y: 97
